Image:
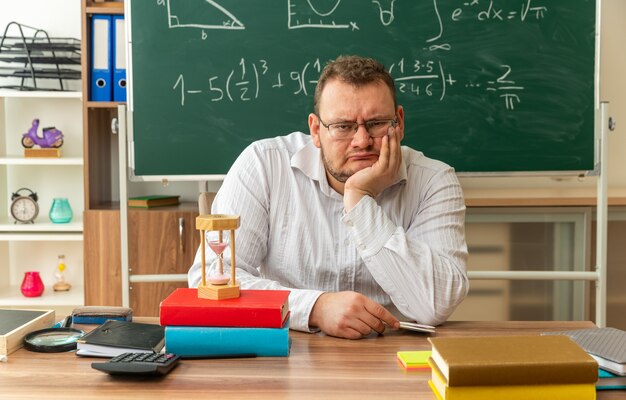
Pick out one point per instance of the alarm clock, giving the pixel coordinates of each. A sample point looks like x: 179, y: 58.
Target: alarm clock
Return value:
x: 24, y: 207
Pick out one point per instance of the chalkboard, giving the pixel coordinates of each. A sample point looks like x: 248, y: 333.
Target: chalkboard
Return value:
x: 487, y: 85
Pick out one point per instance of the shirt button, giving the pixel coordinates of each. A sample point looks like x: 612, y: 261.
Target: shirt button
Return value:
x: 362, y: 247
x: 346, y: 242
x: 349, y: 223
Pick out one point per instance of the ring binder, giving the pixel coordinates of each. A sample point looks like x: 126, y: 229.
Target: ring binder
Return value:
x: 101, y: 74
x: 119, y: 58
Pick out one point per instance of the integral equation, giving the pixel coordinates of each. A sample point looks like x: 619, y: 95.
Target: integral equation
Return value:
x: 336, y: 14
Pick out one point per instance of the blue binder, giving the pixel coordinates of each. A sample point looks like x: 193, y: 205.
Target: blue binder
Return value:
x: 119, y: 58
x: 101, y: 73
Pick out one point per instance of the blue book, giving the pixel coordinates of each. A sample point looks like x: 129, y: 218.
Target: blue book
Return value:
x: 608, y: 380
x: 201, y: 341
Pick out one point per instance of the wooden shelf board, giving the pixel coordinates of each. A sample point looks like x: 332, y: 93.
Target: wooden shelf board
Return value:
x: 540, y: 197
x: 103, y: 104
x: 105, y: 7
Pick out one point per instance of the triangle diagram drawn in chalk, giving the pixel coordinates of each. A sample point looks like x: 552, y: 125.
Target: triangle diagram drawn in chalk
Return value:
x: 204, y: 14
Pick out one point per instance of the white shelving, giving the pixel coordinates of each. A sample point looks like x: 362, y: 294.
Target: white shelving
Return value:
x: 12, y: 296
x: 18, y: 160
x: 35, y: 247
x: 7, y: 93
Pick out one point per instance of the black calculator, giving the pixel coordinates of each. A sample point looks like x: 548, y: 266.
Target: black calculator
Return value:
x: 138, y: 364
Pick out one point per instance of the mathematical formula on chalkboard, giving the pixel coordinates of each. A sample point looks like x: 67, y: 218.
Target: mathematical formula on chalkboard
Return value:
x: 415, y: 77
x: 248, y: 81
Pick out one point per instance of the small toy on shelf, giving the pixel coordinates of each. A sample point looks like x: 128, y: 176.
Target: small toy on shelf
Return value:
x: 49, y: 143
x: 219, y: 286
x: 59, y: 274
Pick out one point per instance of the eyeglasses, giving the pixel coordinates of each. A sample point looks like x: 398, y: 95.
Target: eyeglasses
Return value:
x: 347, y: 129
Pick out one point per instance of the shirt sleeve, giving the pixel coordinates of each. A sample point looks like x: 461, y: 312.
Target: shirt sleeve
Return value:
x: 245, y: 192
x: 423, y: 267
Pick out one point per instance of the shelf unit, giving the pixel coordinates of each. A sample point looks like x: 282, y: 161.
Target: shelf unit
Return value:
x: 101, y: 217
x: 153, y: 235
x: 35, y: 247
x: 50, y: 178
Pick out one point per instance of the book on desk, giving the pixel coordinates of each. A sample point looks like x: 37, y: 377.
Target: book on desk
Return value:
x: 201, y: 341
x: 512, y: 368
x: 254, y: 309
x: 117, y: 337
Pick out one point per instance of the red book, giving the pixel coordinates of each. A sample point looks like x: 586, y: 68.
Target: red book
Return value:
x: 254, y: 309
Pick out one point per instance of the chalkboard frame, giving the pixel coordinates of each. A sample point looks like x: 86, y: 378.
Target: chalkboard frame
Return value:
x: 133, y: 176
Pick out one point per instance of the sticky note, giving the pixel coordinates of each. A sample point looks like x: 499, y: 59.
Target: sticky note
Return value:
x: 414, y: 359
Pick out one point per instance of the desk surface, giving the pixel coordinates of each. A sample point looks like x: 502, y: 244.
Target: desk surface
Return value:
x: 319, y: 367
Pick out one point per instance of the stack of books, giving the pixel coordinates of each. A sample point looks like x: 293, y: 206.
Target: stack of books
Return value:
x: 256, y: 324
x: 512, y: 368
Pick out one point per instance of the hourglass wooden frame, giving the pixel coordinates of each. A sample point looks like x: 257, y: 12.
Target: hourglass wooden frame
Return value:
x: 218, y: 222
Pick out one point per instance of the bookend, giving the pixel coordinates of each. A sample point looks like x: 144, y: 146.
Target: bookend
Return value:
x: 218, y: 287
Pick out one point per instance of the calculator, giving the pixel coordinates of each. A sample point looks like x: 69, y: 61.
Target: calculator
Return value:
x: 138, y: 364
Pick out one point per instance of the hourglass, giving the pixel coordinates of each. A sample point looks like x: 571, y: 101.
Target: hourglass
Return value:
x: 218, y: 286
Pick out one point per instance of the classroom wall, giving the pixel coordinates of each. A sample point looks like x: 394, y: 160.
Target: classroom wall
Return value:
x: 613, y: 90
x: 66, y: 13
x: 61, y: 19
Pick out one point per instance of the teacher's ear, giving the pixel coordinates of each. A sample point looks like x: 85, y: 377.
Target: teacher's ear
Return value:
x: 314, y: 129
x: 400, y: 116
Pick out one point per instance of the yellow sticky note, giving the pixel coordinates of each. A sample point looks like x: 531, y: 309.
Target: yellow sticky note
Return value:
x: 414, y: 359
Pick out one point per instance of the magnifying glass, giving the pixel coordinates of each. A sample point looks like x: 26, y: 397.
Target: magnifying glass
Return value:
x: 53, y: 340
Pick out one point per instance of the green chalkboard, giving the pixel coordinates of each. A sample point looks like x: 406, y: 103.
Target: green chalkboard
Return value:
x: 487, y: 85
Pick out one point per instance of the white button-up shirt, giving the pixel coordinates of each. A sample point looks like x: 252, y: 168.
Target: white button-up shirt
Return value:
x: 404, y: 249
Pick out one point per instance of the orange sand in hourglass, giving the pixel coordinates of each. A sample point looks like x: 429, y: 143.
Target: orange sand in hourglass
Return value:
x: 218, y: 286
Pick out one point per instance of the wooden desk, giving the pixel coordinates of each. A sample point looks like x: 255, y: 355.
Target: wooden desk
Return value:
x: 319, y: 367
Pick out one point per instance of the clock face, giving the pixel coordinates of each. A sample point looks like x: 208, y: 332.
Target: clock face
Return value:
x: 24, y: 209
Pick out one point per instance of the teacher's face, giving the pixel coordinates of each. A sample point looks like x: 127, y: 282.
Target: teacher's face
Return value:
x: 342, y: 102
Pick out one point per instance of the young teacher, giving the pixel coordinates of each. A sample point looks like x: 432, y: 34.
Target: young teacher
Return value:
x: 362, y: 231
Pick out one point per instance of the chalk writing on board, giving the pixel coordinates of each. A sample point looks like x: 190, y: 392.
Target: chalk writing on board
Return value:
x: 249, y: 79
x: 318, y: 14
x: 212, y: 16
x: 385, y: 14
x: 507, y: 85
